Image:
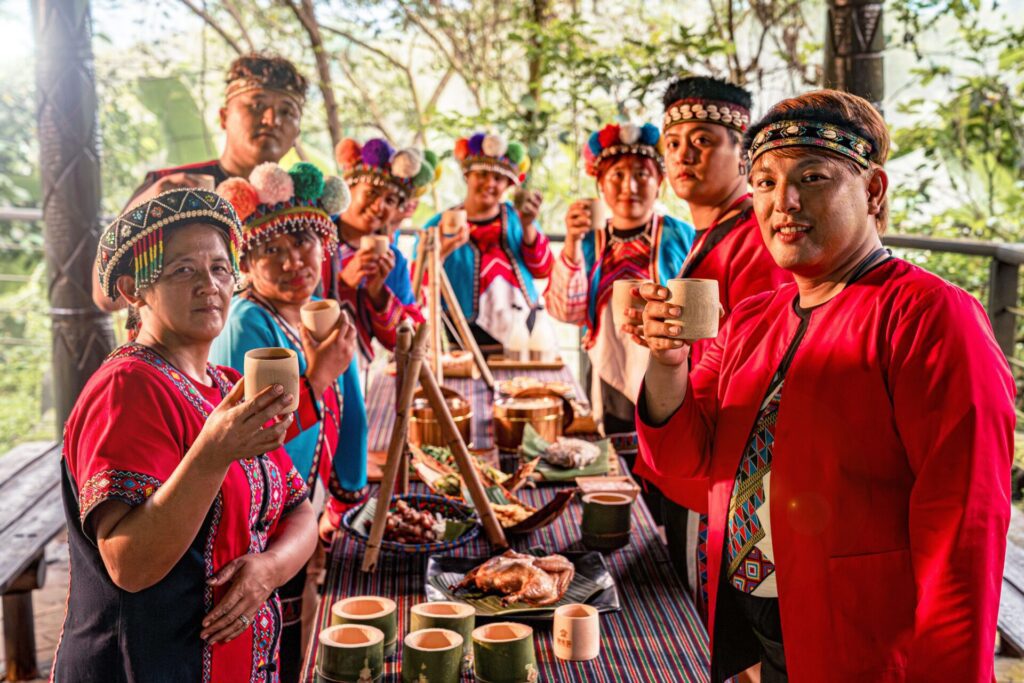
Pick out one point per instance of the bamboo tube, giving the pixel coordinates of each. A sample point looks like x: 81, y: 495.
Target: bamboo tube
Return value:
x: 395, y: 448
x: 468, y: 341
x: 495, y: 534
x: 402, y: 348
x: 435, y: 303
x: 418, y: 266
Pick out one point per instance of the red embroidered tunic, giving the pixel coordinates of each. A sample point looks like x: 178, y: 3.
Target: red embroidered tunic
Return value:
x: 130, y: 428
x: 494, y: 260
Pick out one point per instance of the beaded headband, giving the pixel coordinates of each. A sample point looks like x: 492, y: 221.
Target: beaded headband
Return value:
x: 276, y: 202
x: 408, y: 171
x: 244, y: 85
x: 134, y: 242
x: 805, y: 133
x: 616, y: 140
x: 494, y: 154
x: 728, y: 114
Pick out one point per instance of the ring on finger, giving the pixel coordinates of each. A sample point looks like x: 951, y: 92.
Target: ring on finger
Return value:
x: 245, y: 620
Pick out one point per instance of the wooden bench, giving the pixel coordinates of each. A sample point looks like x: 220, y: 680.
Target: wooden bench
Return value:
x: 31, y: 514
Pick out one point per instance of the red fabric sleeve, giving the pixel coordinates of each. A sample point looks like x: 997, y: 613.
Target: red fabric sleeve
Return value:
x: 308, y: 412
x: 537, y: 256
x: 384, y: 321
x: 952, y: 396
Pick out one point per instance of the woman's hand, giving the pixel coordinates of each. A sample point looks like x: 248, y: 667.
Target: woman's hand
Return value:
x: 235, y: 429
x: 635, y: 327
x: 528, y: 208
x: 375, y: 284
x: 666, y: 349
x: 450, y: 244
x: 363, y: 264
x: 578, y: 223
x: 252, y: 578
x: 326, y: 360
x: 326, y: 529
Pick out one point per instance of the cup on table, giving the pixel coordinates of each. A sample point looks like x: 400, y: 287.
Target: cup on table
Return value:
x: 453, y: 221
x: 453, y: 616
x: 701, y: 308
x: 272, y: 365
x: 378, y: 244
x: 623, y: 298
x: 503, y: 652
x: 598, y: 213
x: 350, y: 653
x: 373, y: 611
x: 320, y: 317
x: 607, y: 520
x: 576, y: 632
x: 432, y: 654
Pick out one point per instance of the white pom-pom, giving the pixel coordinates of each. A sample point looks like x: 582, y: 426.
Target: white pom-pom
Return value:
x: 406, y: 163
x: 336, y: 197
x: 272, y: 183
x: 629, y: 133
x: 494, y: 145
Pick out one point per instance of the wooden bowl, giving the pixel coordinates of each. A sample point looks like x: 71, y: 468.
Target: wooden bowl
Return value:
x: 424, y: 429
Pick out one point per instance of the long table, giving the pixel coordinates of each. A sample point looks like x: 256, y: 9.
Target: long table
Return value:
x: 657, y: 635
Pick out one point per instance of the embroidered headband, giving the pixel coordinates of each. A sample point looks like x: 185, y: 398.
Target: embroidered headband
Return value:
x: 276, y: 202
x: 250, y: 83
x: 806, y: 133
x: 408, y: 171
x: 133, y: 244
x: 494, y: 154
x: 618, y: 140
x: 728, y: 114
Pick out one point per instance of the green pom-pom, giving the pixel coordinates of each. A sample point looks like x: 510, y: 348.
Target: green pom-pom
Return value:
x: 515, y: 152
x: 425, y: 175
x: 430, y: 157
x: 308, y: 180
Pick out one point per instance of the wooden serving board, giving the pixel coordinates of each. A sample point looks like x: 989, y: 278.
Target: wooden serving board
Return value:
x: 502, y: 363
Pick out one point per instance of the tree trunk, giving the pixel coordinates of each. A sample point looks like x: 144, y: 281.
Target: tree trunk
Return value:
x: 854, y: 42
x: 539, y: 16
x: 69, y: 165
x: 307, y: 16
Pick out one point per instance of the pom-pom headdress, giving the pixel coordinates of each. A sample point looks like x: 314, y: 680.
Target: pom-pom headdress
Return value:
x: 708, y: 100
x: 616, y: 140
x: 408, y: 171
x: 277, y: 202
x: 490, y: 152
x: 134, y: 243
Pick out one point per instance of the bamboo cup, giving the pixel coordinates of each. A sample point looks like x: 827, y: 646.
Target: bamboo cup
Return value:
x: 576, y: 632
x: 454, y: 616
x: 381, y: 613
x: 598, y: 213
x: 350, y: 653
x: 434, y: 655
x: 453, y: 221
x: 623, y: 298
x: 701, y: 309
x: 272, y: 365
x: 320, y: 317
x: 504, y: 653
x: 378, y: 244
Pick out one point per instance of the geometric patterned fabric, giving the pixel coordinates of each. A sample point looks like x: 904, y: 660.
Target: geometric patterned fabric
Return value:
x: 748, y: 566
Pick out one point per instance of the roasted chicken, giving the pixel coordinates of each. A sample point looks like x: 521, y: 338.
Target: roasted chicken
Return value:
x: 534, y: 580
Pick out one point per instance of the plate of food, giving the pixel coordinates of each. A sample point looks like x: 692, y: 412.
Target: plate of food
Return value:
x: 565, y: 458
x: 416, y: 523
x: 526, y: 585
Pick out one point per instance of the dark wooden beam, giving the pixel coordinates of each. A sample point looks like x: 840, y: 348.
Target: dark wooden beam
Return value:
x: 854, y: 41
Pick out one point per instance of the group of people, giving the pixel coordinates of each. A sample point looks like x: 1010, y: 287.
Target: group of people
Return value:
x: 193, y: 513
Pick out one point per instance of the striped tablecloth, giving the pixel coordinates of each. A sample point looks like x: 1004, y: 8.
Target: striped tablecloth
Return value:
x: 657, y: 636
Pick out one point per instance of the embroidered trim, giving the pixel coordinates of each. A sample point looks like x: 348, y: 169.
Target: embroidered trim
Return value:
x: 796, y: 133
x: 296, y: 488
x: 129, y: 487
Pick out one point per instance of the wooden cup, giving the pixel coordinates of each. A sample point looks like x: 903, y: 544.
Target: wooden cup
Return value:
x: 503, y: 652
x: 454, y: 616
x: 373, y: 611
x: 576, y: 632
x: 701, y: 309
x: 320, y: 317
x: 378, y: 244
x: 598, y: 213
x: 433, y: 654
x: 350, y: 653
x: 622, y: 298
x: 607, y: 520
x: 272, y: 365
x: 453, y: 221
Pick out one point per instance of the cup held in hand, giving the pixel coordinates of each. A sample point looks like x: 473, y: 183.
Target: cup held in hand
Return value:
x: 320, y: 317
x: 272, y: 365
x: 701, y: 308
x: 378, y: 244
x: 623, y: 298
x: 453, y: 221
x: 598, y: 213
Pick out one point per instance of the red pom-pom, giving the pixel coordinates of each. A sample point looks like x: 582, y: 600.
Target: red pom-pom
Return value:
x: 461, y: 148
x: 522, y: 178
x: 348, y: 153
x: 241, y: 194
x: 609, y: 135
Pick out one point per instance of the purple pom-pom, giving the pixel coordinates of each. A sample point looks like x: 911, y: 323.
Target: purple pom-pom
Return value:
x: 594, y: 143
x: 649, y: 134
x: 476, y: 144
x: 377, y: 152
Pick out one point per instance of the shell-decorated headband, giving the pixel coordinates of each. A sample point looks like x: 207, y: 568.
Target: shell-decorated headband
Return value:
x: 276, y: 202
x: 493, y: 153
x: 133, y: 244
x: 818, y: 134
x: 616, y: 140
x: 408, y: 171
x: 728, y: 114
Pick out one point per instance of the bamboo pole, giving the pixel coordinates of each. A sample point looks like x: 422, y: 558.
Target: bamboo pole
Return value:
x: 495, y: 534
x: 395, y: 447
x: 468, y: 340
x: 435, y: 303
x: 418, y: 266
x: 402, y: 349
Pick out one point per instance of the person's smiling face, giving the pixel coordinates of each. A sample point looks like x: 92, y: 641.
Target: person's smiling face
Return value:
x: 630, y: 188
x: 484, y: 189
x: 373, y: 208
x: 285, y: 268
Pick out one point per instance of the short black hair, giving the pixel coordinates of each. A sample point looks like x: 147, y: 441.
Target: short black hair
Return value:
x: 275, y: 72
x: 816, y: 114
x: 706, y: 88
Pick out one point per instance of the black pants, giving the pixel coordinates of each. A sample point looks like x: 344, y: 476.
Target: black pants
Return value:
x: 761, y: 624
x: 291, y: 654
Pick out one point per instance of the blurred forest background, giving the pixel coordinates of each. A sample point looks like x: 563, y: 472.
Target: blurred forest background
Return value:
x: 545, y: 72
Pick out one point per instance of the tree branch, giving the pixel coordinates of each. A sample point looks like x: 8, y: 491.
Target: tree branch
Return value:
x: 212, y: 23
x: 232, y: 9
x: 369, y: 102
x: 307, y: 17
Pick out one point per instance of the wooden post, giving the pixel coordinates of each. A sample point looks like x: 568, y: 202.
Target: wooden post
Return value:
x: 468, y: 341
x: 854, y: 42
x: 19, y: 623
x: 395, y: 448
x: 419, y: 264
x: 1003, y: 285
x: 495, y: 534
x: 402, y: 349
x: 435, y: 303
x: 69, y: 163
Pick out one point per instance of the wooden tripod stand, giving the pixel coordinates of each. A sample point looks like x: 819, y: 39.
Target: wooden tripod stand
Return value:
x: 412, y: 372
